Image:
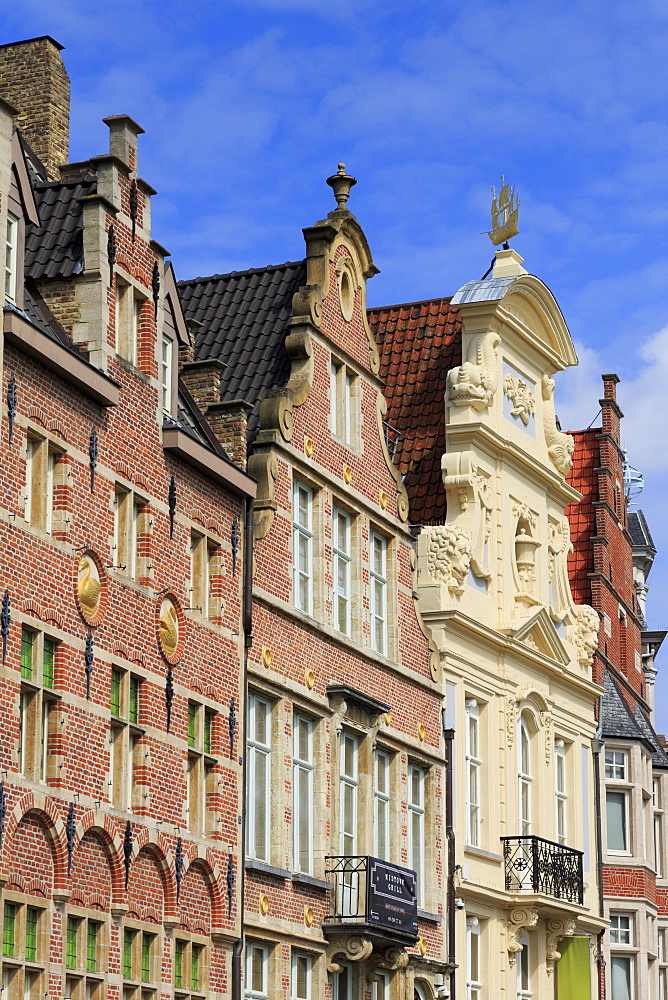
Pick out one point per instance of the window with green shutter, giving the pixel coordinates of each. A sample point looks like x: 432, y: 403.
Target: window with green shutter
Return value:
x: 91, y: 946
x: 192, y: 723
x: 48, y: 662
x: 71, y: 942
x: 179, y: 949
x: 134, y: 699
x: 32, y: 916
x: 116, y: 678
x: 128, y: 940
x: 208, y: 729
x: 27, y: 644
x: 146, y: 945
x: 9, y: 930
x: 194, y: 966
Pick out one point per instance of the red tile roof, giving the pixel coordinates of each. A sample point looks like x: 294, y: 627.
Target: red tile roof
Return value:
x: 582, y: 516
x: 418, y: 343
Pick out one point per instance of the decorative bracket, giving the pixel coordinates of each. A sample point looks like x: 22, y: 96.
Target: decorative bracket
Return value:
x: 347, y: 948
x: 391, y: 959
x: 556, y: 930
x: 519, y: 920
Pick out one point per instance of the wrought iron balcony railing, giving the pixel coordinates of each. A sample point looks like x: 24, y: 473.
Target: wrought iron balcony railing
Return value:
x: 534, y: 864
x: 371, y: 891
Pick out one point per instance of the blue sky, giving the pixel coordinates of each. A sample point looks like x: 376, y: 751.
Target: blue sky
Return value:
x: 249, y: 105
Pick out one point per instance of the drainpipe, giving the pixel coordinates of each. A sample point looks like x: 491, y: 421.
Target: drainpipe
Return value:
x: 596, y: 747
x: 247, y: 619
x: 449, y: 737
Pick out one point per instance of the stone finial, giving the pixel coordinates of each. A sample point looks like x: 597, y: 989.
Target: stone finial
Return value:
x: 341, y: 183
x: 123, y: 132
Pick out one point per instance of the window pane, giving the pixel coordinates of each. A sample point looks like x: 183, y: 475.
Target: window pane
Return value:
x: 116, y: 677
x: 620, y: 977
x: 194, y: 966
x: 192, y: 723
x: 27, y: 642
x: 134, y: 699
x: 71, y: 946
x: 208, y: 727
x: 9, y: 932
x: 48, y: 662
x: 128, y: 937
x: 179, y: 948
x: 91, y: 946
x: 616, y: 820
x: 32, y: 916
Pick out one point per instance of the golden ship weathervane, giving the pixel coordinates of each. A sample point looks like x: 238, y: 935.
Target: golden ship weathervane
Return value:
x: 504, y: 214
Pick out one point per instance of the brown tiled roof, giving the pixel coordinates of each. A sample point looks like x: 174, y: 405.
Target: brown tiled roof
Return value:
x: 582, y: 516
x: 418, y: 343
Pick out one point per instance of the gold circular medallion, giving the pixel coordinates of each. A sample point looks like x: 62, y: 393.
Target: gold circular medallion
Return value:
x: 309, y: 447
x: 347, y: 474
x: 422, y: 731
x: 382, y: 498
x: 266, y: 656
x: 309, y: 678
x: 422, y: 946
x: 308, y: 915
x: 264, y: 904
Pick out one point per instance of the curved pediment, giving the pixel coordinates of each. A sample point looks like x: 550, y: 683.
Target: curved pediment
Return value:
x: 531, y: 302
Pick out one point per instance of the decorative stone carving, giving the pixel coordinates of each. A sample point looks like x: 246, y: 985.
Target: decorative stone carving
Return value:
x: 391, y: 959
x: 474, y: 382
x: 560, y: 446
x: 347, y: 948
x: 511, y: 720
x: 559, y: 546
x: 89, y: 588
x: 169, y: 629
x: 525, y: 554
x: 449, y: 556
x: 521, y: 919
x: 471, y: 489
x: 585, y: 634
x: 547, y: 724
x: 556, y: 930
x: 521, y: 396
x: 402, y: 495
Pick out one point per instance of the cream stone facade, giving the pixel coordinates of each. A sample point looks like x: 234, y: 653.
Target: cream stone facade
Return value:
x: 516, y: 650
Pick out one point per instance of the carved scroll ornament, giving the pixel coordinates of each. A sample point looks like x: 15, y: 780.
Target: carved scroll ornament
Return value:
x: 471, y: 490
x: 556, y: 930
x: 449, y: 556
x: 560, y: 446
x: 585, y: 633
x: 474, y: 382
x: 519, y: 920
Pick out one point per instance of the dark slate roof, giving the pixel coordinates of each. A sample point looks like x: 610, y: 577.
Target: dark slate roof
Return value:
x: 418, y: 343
x: 639, y: 531
x: 244, y: 319
x: 617, y: 719
x: 659, y: 756
x: 190, y: 420
x: 55, y: 249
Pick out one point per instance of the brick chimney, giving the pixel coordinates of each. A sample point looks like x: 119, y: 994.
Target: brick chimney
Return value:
x: 33, y: 78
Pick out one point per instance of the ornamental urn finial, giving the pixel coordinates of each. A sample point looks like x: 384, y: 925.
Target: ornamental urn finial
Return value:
x: 341, y: 183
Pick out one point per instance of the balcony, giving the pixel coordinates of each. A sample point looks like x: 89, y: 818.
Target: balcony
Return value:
x: 536, y: 865
x: 374, y: 914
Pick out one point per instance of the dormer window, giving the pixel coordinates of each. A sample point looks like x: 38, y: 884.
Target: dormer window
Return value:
x: 11, y: 256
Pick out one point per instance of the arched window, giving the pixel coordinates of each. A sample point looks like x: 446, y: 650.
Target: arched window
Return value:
x: 524, y: 778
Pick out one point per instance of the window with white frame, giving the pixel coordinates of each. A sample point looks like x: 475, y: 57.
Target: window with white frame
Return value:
x: 341, y: 402
x: 166, y: 367
x: 473, y: 764
x: 616, y: 812
x: 621, y: 977
x: 42, y: 461
x: 378, y: 587
x: 341, y: 569
x: 11, y: 256
x: 473, y: 975
x: 382, y: 805
x: 201, y: 553
x: 302, y: 792
x: 658, y: 844
x: 302, y: 547
x: 342, y: 983
x: 561, y: 796
x: 621, y: 928
x: 616, y: 763
x: 256, y: 977
x: 416, y: 825
x: 302, y: 974
x: 258, y: 771
x: 381, y: 987
x: 348, y: 805
x: 524, y: 778
x: 523, y: 963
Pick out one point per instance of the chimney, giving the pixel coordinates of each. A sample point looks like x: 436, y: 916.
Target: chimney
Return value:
x: 33, y: 78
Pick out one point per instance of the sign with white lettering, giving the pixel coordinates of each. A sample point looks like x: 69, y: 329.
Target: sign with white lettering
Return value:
x: 391, y: 896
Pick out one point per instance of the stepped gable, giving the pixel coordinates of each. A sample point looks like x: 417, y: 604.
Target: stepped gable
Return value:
x: 55, y: 249
x: 418, y: 343
x: 245, y: 318
x: 582, y: 515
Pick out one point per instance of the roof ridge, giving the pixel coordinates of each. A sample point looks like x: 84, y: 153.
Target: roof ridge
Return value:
x: 419, y: 302
x: 236, y: 274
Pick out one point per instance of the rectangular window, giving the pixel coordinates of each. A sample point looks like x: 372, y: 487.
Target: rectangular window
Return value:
x: 378, y: 587
x: 91, y: 946
x: 615, y: 765
x: 11, y: 256
x: 616, y: 804
x: 473, y: 977
x: 179, y: 950
x: 32, y: 921
x: 524, y: 970
x: 302, y: 547
x: 524, y: 779
x: 71, y: 942
x: 51, y: 462
x: 200, y: 556
x: 348, y: 804
x: 382, y: 801
x: 256, y: 977
x: 620, y: 928
x: 9, y: 930
x: 115, y: 700
x: 48, y: 662
x: 621, y: 977
x: 258, y: 777
x: 208, y: 729
x: 416, y: 827
x: 561, y: 797
x: 146, y: 950
x: 192, y: 723
x: 133, y: 713
x: 27, y: 650
x: 302, y: 793
x: 195, y: 955
x: 473, y: 763
x: 341, y: 559
x: 128, y: 942
x: 341, y: 402
x: 657, y: 845
x: 342, y: 984
x: 301, y: 976
x: 166, y: 374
